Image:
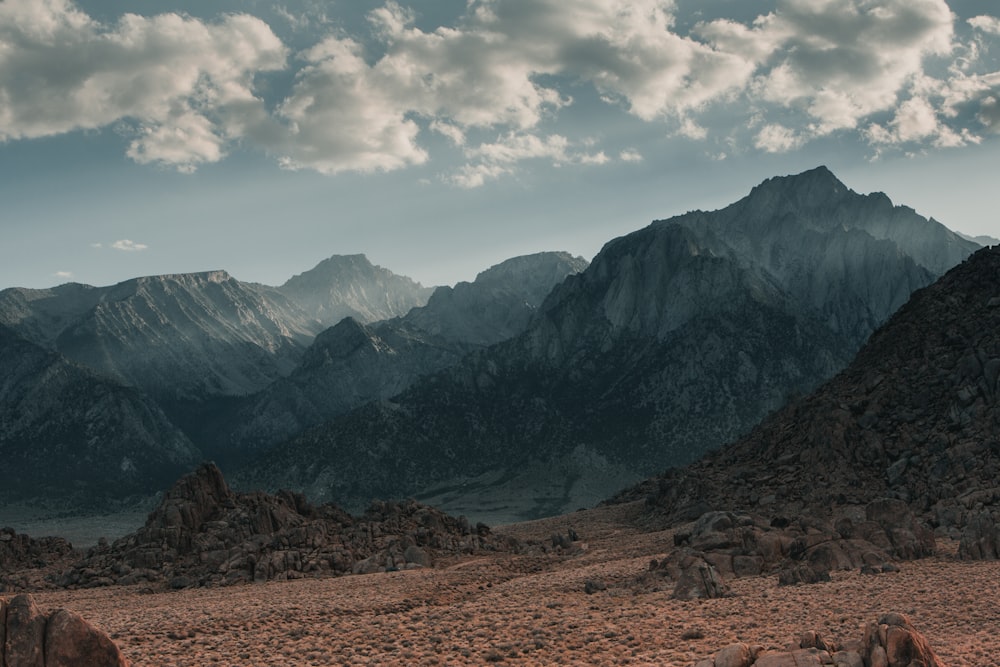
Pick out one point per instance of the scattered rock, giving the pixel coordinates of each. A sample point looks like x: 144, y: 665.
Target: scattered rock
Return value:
x: 891, y: 641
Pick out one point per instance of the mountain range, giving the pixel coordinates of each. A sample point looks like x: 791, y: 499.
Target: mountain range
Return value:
x: 675, y: 340
x: 544, y: 385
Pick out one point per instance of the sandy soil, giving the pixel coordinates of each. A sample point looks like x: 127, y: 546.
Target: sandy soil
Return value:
x: 532, y: 610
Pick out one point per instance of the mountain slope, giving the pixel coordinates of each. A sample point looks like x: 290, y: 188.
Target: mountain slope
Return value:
x: 914, y: 416
x: 353, y: 363
x: 676, y: 339
x: 66, y: 432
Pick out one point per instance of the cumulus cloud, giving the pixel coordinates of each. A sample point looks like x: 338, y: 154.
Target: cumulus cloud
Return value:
x: 187, y: 84
x: 128, y: 245
x: 990, y: 24
x: 63, y: 275
x: 504, y: 69
x: 630, y: 155
x: 489, y: 161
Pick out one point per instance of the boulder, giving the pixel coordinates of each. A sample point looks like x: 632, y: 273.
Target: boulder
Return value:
x: 70, y: 641
x: 25, y: 644
x: 697, y: 578
x: 980, y: 538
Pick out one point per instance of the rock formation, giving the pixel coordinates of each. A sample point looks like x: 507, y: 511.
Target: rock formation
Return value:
x: 204, y: 534
x: 890, y: 641
x: 30, y: 638
x: 721, y: 545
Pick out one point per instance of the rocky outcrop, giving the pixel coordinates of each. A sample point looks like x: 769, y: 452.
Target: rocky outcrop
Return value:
x: 675, y: 340
x: 24, y: 560
x: 62, y: 638
x: 912, y: 418
x: 724, y: 545
x: 890, y: 641
x: 204, y: 534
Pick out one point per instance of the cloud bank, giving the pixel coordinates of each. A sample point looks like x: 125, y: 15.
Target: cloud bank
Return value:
x: 495, y: 83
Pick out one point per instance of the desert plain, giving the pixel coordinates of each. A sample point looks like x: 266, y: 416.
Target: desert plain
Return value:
x: 538, y: 609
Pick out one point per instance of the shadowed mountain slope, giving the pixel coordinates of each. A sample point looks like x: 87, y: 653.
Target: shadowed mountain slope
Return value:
x: 65, y: 432
x: 915, y: 416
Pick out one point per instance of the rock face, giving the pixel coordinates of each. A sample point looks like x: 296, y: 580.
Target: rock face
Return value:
x: 65, y: 431
x: 913, y: 418
x: 890, y: 641
x: 204, y: 534
x: 353, y: 363
x: 981, y: 537
x: 29, y: 638
x: 676, y: 339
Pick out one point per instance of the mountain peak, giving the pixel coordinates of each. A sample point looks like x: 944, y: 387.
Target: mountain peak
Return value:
x: 344, y: 285
x: 812, y: 188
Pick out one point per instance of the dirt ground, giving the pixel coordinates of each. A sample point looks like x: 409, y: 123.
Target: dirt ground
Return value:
x: 533, y: 610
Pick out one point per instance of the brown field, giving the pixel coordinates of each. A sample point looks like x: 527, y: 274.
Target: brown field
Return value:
x: 532, y: 610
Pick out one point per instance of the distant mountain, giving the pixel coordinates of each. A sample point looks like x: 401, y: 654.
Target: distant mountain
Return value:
x: 676, y: 339
x: 65, y: 432
x: 353, y: 363
x: 351, y: 286
x: 984, y: 241
x: 190, y: 337
x: 499, y: 304
x: 914, y: 417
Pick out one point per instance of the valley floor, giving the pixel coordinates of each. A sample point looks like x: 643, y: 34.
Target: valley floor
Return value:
x: 532, y: 610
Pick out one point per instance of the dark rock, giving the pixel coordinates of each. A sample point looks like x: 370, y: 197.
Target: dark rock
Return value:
x: 591, y: 586
x: 980, y: 538
x: 696, y: 578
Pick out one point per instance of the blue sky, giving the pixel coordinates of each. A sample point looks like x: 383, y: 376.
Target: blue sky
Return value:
x: 442, y: 137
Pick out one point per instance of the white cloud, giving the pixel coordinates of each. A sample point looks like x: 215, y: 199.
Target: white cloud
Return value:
x: 630, y: 155
x: 63, y: 275
x: 840, y: 62
x: 128, y: 245
x: 776, y: 138
x: 990, y: 24
x: 186, y: 83
x: 504, y: 69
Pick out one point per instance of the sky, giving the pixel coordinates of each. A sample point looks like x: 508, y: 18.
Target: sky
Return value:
x: 441, y: 137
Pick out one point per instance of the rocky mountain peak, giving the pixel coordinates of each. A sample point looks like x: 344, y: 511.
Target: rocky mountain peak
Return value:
x: 350, y: 285
x: 810, y: 189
